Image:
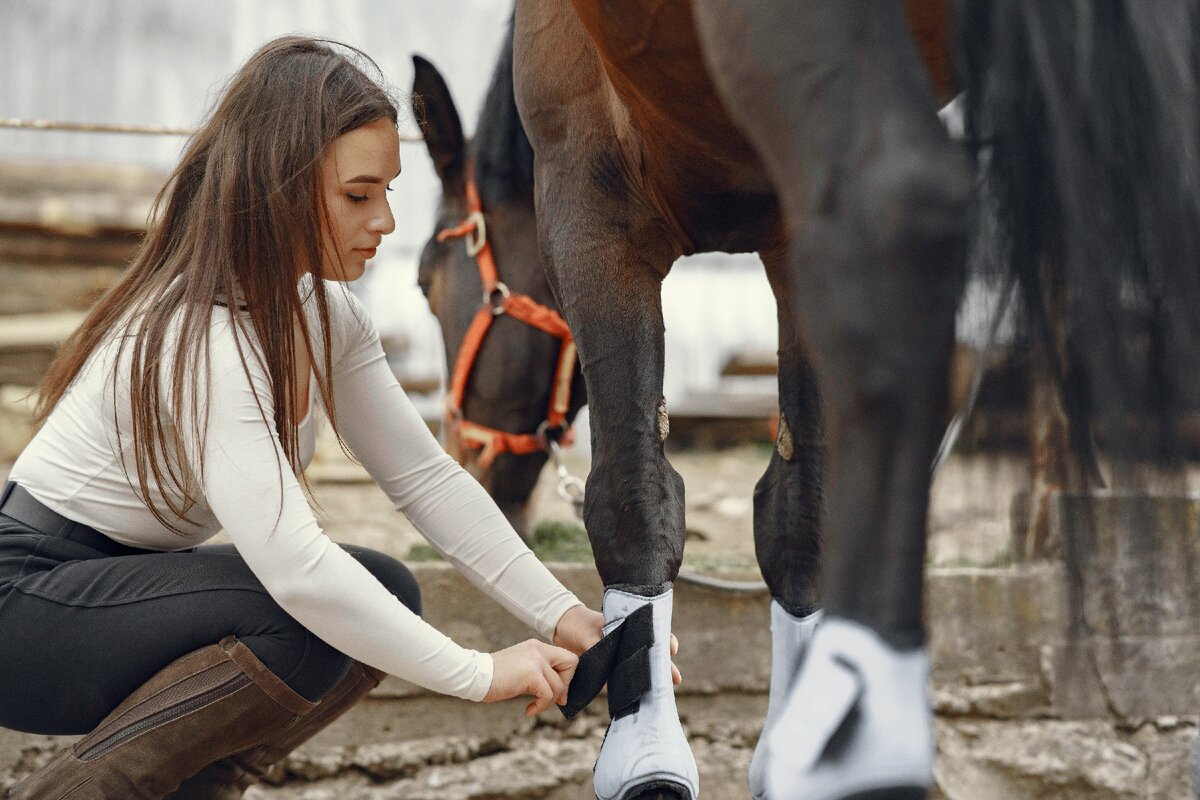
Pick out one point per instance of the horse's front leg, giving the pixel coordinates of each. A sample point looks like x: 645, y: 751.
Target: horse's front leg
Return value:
x: 607, y: 267
x: 832, y: 95
x: 606, y: 256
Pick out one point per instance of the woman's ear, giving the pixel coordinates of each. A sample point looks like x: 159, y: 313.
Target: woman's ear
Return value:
x: 439, y: 121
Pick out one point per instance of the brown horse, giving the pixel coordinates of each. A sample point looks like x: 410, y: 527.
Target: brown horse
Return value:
x: 509, y: 386
x: 805, y: 131
x: 640, y: 161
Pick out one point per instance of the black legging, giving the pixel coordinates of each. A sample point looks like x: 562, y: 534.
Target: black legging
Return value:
x: 80, y: 630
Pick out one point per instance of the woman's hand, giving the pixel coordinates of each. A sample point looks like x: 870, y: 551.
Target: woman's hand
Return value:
x: 533, y: 668
x: 579, y: 628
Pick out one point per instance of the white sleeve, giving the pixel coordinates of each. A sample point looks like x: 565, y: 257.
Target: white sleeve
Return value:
x: 448, y: 506
x: 260, y: 503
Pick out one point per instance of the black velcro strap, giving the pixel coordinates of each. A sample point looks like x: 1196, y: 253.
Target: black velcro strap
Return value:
x: 630, y: 680
x: 621, y: 659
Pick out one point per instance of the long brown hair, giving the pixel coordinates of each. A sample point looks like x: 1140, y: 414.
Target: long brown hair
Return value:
x: 239, y: 221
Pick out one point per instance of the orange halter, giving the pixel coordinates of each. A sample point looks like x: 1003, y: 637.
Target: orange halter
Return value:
x: 498, y: 300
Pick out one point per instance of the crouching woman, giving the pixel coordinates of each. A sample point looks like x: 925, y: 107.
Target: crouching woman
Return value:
x: 187, y: 403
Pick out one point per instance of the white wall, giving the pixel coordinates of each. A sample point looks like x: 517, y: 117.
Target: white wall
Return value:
x: 161, y: 63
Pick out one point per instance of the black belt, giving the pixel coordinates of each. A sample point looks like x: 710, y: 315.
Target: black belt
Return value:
x: 17, y: 503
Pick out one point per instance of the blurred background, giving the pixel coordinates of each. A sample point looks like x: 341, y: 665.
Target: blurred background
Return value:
x: 1013, y: 715
x: 72, y: 203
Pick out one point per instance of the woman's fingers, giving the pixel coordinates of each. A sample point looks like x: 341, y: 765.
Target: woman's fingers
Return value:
x: 543, y: 692
x: 550, y: 685
x: 564, y: 663
x: 558, y: 688
x: 532, y: 668
x: 676, y: 677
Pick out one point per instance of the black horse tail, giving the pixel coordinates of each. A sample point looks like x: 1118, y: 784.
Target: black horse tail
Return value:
x: 1082, y: 115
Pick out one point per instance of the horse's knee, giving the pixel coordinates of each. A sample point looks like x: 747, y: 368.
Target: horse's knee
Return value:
x: 910, y: 205
x: 396, y: 578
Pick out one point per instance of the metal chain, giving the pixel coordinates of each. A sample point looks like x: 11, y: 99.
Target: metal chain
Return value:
x: 571, y: 489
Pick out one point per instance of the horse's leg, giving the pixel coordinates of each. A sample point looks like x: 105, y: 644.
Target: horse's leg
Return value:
x: 607, y: 267
x: 832, y: 95
x: 787, y: 511
x: 606, y: 252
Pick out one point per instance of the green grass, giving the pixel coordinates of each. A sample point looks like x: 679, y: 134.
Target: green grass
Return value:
x: 1005, y: 558
x: 554, y: 540
x: 721, y: 562
x: 423, y: 552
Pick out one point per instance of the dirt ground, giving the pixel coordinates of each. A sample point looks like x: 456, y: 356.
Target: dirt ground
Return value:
x: 968, y: 526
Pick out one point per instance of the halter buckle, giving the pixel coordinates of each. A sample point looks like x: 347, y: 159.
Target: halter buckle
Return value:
x: 495, y: 297
x: 475, y: 237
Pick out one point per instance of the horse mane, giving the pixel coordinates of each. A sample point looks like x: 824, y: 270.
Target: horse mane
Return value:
x: 503, y: 155
x: 1080, y: 118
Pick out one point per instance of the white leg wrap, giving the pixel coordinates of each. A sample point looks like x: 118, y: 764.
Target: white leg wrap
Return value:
x: 646, y: 747
x: 790, y: 637
x: 857, y: 719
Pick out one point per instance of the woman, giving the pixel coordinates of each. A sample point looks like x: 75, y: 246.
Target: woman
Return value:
x: 185, y: 404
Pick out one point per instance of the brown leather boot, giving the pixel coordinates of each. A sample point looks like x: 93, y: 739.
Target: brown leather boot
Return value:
x: 209, y: 704
x: 228, y: 778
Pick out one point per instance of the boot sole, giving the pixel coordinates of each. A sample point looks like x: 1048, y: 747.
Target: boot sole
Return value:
x: 891, y: 793
x: 657, y: 790
x: 894, y: 793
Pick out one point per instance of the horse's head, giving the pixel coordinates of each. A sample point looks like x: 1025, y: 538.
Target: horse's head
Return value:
x: 507, y: 388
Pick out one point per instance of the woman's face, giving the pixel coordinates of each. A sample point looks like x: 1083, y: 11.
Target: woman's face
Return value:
x: 355, y: 176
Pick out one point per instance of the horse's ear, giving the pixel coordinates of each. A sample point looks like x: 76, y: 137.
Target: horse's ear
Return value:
x: 439, y: 120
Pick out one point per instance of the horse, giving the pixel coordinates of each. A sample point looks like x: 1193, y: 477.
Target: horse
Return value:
x: 514, y: 389
x: 806, y: 132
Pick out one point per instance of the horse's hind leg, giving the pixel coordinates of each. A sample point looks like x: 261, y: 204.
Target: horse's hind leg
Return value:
x: 832, y: 95
x: 788, y: 510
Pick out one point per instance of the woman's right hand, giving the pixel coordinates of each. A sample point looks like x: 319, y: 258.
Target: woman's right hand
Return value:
x: 534, y: 668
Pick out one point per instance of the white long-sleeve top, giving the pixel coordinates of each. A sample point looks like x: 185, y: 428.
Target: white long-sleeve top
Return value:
x: 80, y: 464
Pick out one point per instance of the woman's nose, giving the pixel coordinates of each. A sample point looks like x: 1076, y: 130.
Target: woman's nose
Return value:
x: 384, y: 222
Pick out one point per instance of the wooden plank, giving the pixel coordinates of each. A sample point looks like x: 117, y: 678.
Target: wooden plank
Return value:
x: 751, y: 363
x: 25, y: 332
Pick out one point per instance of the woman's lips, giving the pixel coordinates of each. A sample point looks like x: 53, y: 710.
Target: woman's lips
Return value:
x: 365, y: 252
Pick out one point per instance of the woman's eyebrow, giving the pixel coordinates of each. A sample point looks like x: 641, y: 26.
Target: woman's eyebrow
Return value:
x: 368, y: 178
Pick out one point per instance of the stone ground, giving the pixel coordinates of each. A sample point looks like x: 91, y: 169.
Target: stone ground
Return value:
x: 981, y: 757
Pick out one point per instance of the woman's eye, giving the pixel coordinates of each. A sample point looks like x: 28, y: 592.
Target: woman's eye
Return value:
x: 356, y: 198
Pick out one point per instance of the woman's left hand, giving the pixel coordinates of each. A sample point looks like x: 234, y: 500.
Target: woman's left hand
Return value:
x: 580, y: 628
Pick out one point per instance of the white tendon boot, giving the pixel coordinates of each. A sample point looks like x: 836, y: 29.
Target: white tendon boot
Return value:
x: 645, y: 749
x: 790, y: 637
x: 857, y: 724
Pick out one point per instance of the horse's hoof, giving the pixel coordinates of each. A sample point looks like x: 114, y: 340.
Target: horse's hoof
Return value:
x: 857, y: 724
x: 645, y: 753
x: 665, y: 790
x: 895, y: 793
x: 790, y: 637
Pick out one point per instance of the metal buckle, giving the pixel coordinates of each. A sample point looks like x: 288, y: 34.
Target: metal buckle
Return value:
x: 477, y: 238
x: 496, y: 297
